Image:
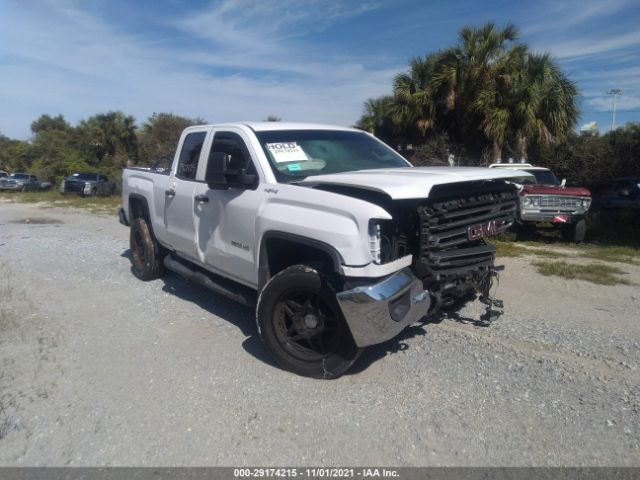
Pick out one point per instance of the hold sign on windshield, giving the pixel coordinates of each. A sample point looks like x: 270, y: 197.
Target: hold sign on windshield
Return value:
x: 287, y: 152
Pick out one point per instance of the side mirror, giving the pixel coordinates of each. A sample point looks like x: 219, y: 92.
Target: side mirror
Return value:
x: 222, y: 174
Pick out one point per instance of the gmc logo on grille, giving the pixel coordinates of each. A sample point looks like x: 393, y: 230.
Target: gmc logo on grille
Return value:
x: 486, y: 229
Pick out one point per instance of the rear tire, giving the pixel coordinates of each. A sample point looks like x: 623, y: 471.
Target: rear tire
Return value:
x: 302, y: 327
x: 146, y: 254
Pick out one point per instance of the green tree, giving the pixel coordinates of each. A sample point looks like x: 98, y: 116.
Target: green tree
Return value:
x: 487, y: 93
x: 45, y: 122
x: 15, y: 155
x: 108, y: 139
x: 159, y: 136
x: 413, y: 105
x: 527, y: 99
x: 463, y: 70
x: 377, y: 118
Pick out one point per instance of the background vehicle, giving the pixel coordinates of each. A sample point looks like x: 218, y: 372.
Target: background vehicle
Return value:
x: 84, y: 183
x: 3, y: 174
x: 618, y: 196
x: 338, y: 241
x: 21, y: 182
x: 545, y: 199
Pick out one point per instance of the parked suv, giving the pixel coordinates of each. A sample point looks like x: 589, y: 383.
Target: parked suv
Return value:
x: 544, y: 198
x: 85, y: 183
x: 20, y: 182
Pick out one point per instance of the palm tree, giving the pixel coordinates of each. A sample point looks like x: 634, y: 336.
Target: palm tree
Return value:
x: 486, y: 88
x: 376, y: 118
x: 414, y: 104
x: 465, y: 68
x: 527, y: 98
x: 556, y: 109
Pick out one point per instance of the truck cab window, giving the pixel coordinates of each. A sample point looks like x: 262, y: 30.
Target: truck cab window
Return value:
x: 189, y: 155
x: 231, y: 144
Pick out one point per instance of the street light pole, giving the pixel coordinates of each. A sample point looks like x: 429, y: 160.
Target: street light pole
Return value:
x: 615, y: 92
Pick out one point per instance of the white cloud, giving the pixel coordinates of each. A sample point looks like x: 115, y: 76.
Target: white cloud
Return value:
x: 605, y: 103
x: 594, y: 45
x: 564, y: 15
x: 64, y: 60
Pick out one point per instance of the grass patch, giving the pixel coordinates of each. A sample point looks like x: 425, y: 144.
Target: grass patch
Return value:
x: 510, y: 249
x: 53, y: 198
x: 613, y: 254
x: 594, y: 272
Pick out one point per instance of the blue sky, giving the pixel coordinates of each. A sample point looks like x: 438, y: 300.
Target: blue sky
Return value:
x: 310, y: 60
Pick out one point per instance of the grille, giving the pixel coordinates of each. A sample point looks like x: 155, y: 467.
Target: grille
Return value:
x: 445, y: 248
x: 560, y: 202
x: 73, y: 186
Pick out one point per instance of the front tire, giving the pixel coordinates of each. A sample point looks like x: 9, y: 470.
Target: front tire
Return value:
x: 302, y: 327
x: 574, y: 232
x: 146, y: 255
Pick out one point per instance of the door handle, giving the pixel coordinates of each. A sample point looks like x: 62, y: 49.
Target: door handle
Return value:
x: 201, y: 198
x: 170, y: 193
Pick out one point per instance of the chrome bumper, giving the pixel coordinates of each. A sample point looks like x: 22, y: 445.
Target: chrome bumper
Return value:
x: 13, y: 187
x: 378, y: 312
x: 536, y: 216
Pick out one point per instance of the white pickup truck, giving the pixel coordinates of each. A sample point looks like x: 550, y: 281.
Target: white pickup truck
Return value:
x: 335, y: 238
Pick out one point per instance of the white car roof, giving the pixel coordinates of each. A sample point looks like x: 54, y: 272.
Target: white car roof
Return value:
x: 264, y: 126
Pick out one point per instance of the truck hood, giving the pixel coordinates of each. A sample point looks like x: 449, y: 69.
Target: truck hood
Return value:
x: 408, y: 183
x: 553, y: 190
x: 78, y: 180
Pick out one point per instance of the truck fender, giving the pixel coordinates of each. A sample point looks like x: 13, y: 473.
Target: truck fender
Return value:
x: 270, y: 263
x: 138, y: 207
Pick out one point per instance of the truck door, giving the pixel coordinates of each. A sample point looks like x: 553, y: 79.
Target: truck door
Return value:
x: 179, y: 202
x: 226, y: 218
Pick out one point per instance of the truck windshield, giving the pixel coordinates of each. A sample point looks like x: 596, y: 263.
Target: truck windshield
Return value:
x: 84, y: 176
x: 20, y: 176
x: 543, y: 177
x: 296, y: 154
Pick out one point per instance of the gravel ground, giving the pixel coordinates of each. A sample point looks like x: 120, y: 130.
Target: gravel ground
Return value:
x: 98, y: 368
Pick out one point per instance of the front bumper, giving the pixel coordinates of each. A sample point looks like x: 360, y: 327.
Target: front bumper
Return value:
x: 380, y: 311
x: 15, y: 187
x: 551, y: 216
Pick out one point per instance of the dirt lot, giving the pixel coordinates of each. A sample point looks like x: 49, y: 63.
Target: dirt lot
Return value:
x: 98, y: 368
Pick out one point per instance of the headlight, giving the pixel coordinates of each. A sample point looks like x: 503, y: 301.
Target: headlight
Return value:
x: 375, y: 241
x: 526, y: 201
x: 586, y: 203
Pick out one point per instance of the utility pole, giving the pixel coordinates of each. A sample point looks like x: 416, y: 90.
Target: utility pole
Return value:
x: 615, y: 92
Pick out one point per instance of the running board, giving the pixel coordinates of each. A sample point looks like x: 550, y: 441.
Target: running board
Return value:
x: 215, y: 283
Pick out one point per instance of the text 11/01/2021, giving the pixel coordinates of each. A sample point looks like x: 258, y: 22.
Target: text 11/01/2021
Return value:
x: 315, y: 472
